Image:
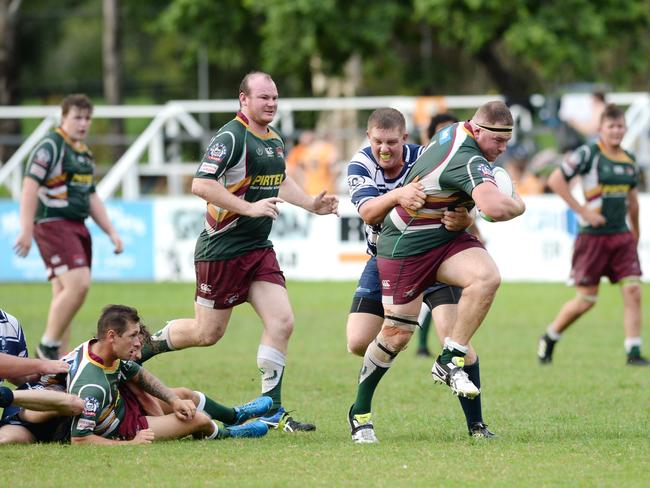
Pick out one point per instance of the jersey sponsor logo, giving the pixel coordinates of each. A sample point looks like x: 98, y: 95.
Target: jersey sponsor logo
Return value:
x: 205, y: 288
x: 232, y: 298
x: 82, y: 179
x: 217, y: 152
x: 209, y: 168
x: 385, y: 284
x: 85, y: 424
x: 269, y: 151
x: 445, y: 135
x: 621, y: 189
x: 56, y: 259
x: 279, y: 152
x: 409, y: 293
x: 91, y: 407
x: 37, y: 171
x: 267, y: 180
x: 42, y: 157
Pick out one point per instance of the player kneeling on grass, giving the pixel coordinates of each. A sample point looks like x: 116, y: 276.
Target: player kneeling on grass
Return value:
x: 111, y: 415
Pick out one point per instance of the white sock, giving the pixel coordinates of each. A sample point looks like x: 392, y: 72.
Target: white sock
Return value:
x: 550, y: 332
x: 449, y: 344
x: 163, y: 335
x: 630, y: 342
x: 201, y: 405
x: 271, y: 363
x: 216, y: 431
x: 47, y: 342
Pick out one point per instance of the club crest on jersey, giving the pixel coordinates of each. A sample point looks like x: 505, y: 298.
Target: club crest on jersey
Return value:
x: 91, y: 406
x: 217, y: 152
x: 485, y: 170
x: 279, y: 152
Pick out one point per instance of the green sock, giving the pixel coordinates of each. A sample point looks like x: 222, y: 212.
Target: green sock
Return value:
x: 366, y: 391
x: 423, y: 332
x: 219, y: 412
x: 153, y: 348
x: 447, y: 354
x: 276, y: 395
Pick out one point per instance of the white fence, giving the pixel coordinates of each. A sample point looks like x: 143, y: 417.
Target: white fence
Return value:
x: 169, y: 120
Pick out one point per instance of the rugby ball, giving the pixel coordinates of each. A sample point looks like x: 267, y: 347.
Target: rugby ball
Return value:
x: 504, y: 184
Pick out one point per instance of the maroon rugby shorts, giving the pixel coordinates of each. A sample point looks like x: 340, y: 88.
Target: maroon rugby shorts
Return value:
x: 64, y: 245
x: 224, y: 284
x: 403, y: 279
x: 612, y: 255
x: 134, y: 419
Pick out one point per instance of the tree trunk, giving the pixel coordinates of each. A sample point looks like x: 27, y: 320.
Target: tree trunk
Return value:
x: 512, y: 84
x: 112, y: 61
x: 9, y: 10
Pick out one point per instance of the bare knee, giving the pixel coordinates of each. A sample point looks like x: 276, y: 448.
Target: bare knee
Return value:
x: 281, y: 327
x: 357, y: 346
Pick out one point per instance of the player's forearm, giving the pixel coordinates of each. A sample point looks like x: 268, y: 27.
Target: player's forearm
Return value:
x: 292, y: 193
x: 28, y: 203
x: 15, y: 367
x: 152, y: 385
x: 214, y: 192
x: 97, y: 439
x: 46, y: 400
x: 100, y: 215
x: 374, y: 211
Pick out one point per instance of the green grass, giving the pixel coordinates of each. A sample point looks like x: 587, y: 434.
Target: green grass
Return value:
x: 581, y: 422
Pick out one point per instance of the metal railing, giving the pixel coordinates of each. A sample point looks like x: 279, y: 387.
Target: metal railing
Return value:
x: 168, y: 120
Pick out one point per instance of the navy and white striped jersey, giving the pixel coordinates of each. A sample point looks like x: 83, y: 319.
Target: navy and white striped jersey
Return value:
x: 12, y: 338
x: 366, y: 180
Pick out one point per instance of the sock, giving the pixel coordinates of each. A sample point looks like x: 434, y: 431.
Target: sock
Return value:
x: 472, y: 408
x: 371, y: 373
x: 271, y: 363
x: 218, y: 433
x: 551, y: 334
x: 214, y: 409
x: 159, y: 343
x: 47, y: 342
x: 425, y: 325
x: 633, y: 346
x: 452, y: 349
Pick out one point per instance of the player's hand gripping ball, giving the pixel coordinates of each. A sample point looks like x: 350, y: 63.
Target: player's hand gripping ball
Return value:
x: 504, y: 184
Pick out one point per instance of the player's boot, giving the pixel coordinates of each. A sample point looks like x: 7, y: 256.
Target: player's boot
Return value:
x: 454, y: 376
x: 479, y: 430
x: 254, y: 408
x: 255, y: 428
x: 361, y: 428
x: 281, y: 420
x: 545, y: 349
x: 47, y: 352
x: 637, y: 360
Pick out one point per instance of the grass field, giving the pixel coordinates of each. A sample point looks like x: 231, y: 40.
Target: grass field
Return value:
x: 584, y: 421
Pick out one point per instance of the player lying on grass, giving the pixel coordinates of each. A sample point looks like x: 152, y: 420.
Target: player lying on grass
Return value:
x: 137, y: 410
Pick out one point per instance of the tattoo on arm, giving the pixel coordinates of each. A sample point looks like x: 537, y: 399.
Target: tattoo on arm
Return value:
x: 154, y: 386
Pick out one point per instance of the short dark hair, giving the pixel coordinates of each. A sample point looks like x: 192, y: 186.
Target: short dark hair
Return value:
x: 494, y: 112
x: 611, y: 111
x: 117, y: 318
x: 79, y: 100
x: 387, y: 118
x: 442, y: 118
x: 244, y: 87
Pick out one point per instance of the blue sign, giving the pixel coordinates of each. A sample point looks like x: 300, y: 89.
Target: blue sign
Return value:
x: 134, y: 224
